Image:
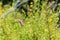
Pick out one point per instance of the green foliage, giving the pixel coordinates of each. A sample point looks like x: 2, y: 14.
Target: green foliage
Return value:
x: 42, y: 25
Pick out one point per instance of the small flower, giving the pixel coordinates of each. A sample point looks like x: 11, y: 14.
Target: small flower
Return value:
x: 16, y: 20
x: 28, y: 22
x: 59, y: 4
x: 31, y: 5
x: 29, y: 25
x: 46, y: 30
x: 49, y: 20
x: 33, y: 16
x: 0, y: 12
x: 14, y: 30
x: 31, y: 2
x: 30, y: 9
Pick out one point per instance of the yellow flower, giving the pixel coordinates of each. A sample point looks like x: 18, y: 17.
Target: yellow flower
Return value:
x: 30, y: 9
x: 0, y: 12
x: 28, y: 23
x: 14, y: 30
x: 31, y: 5
x: 0, y: 3
x: 46, y: 30
x: 16, y: 20
x: 33, y: 16
x: 31, y: 2
x: 49, y: 20
x: 59, y: 4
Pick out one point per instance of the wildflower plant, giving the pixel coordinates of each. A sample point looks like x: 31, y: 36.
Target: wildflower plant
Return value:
x: 40, y: 25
